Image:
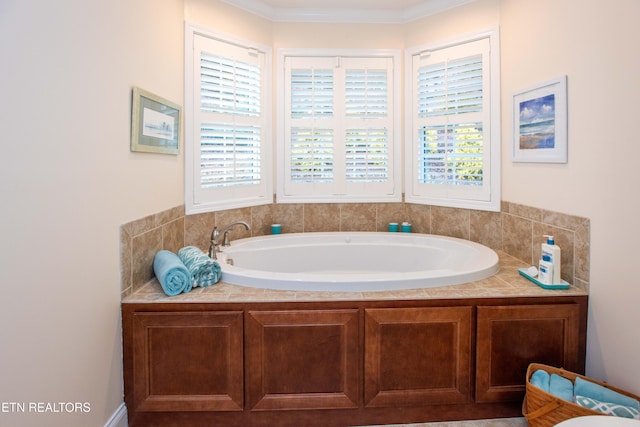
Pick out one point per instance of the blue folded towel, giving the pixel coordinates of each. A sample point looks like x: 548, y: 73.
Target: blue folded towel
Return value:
x: 596, y: 391
x: 173, y: 275
x: 204, y: 270
x: 561, y: 387
x: 540, y: 379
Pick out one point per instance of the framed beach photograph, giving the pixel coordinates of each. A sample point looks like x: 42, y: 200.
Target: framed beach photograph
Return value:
x: 540, y: 123
x: 155, y: 123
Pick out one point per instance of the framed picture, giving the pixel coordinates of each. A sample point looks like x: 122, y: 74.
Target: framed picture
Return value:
x: 155, y: 123
x: 540, y: 123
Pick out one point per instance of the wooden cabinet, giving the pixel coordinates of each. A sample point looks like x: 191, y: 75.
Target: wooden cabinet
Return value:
x: 187, y: 361
x: 342, y: 362
x: 303, y: 359
x: 509, y: 338
x: 417, y: 356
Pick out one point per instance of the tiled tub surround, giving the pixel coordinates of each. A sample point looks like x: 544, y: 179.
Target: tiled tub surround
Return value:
x: 517, y: 231
x: 506, y: 283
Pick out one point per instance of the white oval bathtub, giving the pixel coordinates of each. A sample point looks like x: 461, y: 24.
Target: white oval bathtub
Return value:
x: 355, y: 261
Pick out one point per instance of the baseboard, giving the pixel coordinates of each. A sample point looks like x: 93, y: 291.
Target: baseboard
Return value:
x: 119, y: 417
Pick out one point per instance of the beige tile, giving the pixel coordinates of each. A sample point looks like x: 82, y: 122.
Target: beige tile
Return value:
x: 173, y: 235
x: 389, y: 212
x: 558, y: 219
x: 290, y: 216
x: 582, y: 255
x: 420, y: 218
x: 198, y: 228
x: 225, y: 218
x: 140, y: 226
x: 527, y: 212
x: 169, y: 215
x: 143, y: 249
x: 358, y: 217
x: 125, y: 260
x: 486, y: 228
x: 517, y: 231
x: 450, y: 222
x: 261, y: 220
x: 516, y: 237
x: 321, y: 217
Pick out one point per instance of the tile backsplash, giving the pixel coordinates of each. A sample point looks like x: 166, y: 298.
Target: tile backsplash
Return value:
x: 517, y: 230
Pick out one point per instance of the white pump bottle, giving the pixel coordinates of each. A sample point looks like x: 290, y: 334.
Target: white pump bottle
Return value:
x: 552, y: 250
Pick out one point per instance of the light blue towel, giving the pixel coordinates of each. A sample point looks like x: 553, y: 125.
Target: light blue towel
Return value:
x: 173, y: 275
x: 596, y: 391
x: 561, y: 387
x: 204, y: 270
x: 540, y: 379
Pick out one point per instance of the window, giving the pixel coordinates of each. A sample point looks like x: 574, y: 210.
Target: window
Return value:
x: 338, y: 126
x: 228, y: 143
x: 453, y: 133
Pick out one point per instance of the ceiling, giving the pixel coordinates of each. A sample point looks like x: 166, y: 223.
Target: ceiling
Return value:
x: 346, y: 11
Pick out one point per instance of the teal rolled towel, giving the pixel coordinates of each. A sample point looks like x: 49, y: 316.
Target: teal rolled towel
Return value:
x: 173, y: 275
x: 540, y: 379
x: 204, y: 270
x: 596, y: 391
x: 561, y: 387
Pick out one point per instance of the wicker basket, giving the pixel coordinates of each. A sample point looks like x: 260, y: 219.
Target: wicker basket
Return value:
x: 542, y: 409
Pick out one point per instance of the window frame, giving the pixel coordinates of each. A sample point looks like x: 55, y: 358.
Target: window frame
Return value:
x: 420, y: 193
x: 394, y: 108
x: 234, y: 196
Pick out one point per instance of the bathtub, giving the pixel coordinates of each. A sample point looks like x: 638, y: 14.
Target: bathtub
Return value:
x: 355, y: 261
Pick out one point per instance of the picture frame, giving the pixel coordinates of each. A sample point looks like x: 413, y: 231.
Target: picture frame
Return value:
x: 155, y: 123
x: 540, y: 123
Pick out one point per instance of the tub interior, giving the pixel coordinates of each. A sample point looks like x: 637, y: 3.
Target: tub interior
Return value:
x: 355, y: 261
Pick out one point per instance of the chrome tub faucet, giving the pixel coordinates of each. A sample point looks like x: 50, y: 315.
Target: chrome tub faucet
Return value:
x: 214, y: 246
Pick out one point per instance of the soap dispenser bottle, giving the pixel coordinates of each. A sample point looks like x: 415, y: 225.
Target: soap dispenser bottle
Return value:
x: 545, y: 272
x: 551, y: 250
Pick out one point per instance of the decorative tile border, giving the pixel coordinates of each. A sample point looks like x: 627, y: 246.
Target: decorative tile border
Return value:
x: 517, y: 230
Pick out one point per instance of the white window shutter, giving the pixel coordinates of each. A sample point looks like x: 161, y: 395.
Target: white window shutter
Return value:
x: 228, y: 144
x: 453, y: 144
x: 338, y: 143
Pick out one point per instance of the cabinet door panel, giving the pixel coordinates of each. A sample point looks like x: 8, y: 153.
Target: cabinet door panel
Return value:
x: 303, y: 359
x: 511, y: 337
x: 417, y: 356
x: 188, y: 361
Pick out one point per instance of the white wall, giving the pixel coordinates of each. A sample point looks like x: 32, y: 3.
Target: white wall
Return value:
x: 67, y: 182
x: 595, y: 44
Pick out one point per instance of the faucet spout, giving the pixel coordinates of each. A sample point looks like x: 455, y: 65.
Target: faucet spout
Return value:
x: 214, y: 247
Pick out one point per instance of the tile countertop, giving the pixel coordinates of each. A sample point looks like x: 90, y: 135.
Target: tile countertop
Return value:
x: 506, y: 283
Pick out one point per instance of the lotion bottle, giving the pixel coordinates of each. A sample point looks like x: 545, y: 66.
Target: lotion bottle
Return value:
x: 545, y: 271
x: 552, y: 250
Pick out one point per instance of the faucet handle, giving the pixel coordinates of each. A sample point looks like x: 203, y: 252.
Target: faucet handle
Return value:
x: 226, y: 241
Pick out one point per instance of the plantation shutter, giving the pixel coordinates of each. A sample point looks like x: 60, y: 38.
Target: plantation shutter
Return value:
x: 230, y: 144
x: 451, y: 131
x: 338, y: 128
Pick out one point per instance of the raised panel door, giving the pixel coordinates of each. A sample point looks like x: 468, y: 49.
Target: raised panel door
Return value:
x: 417, y: 356
x: 303, y: 359
x: 509, y: 338
x: 189, y: 361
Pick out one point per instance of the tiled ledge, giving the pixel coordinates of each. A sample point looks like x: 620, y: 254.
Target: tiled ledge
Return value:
x: 506, y: 283
x: 517, y: 230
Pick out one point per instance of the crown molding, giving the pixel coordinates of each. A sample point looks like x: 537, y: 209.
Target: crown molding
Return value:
x: 346, y: 15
